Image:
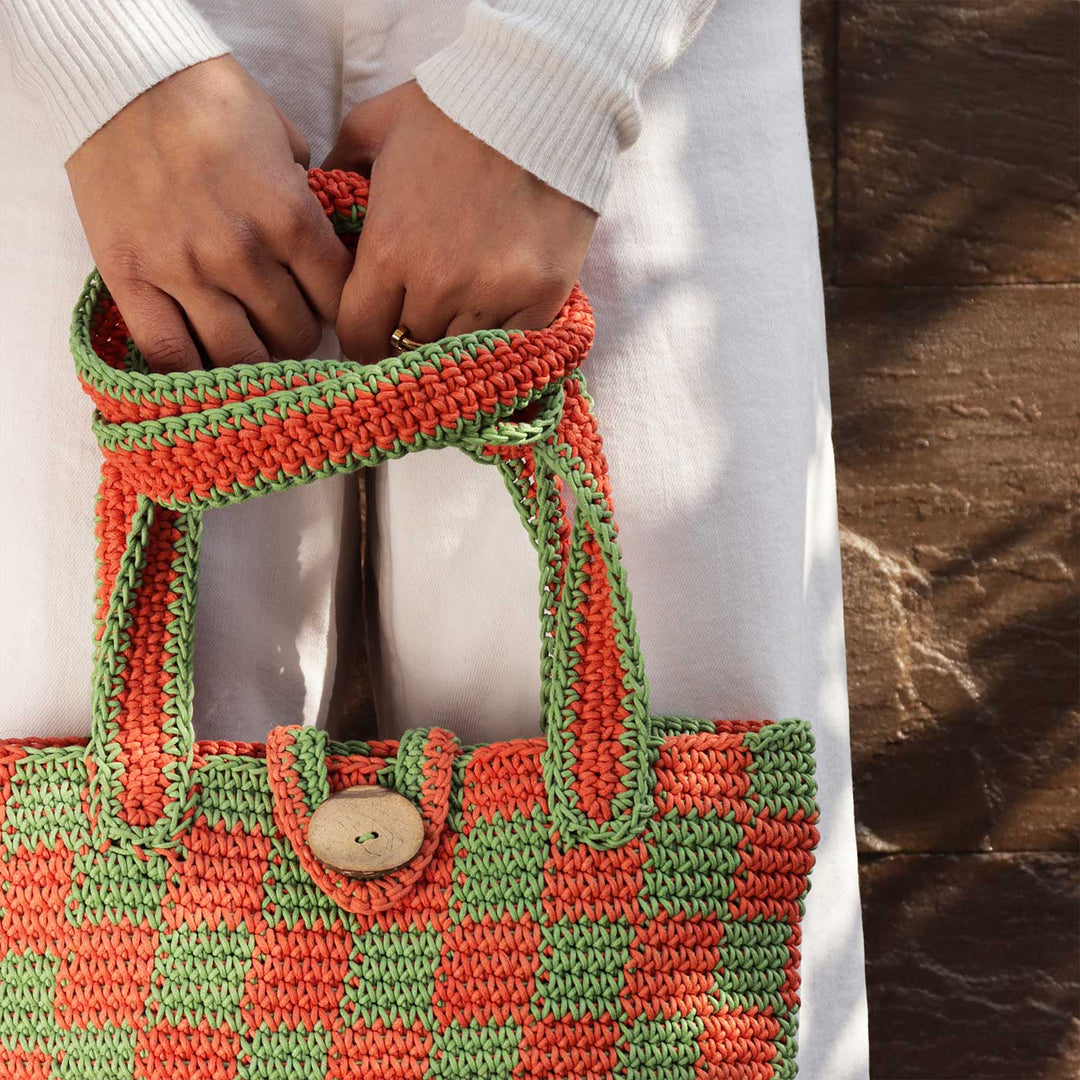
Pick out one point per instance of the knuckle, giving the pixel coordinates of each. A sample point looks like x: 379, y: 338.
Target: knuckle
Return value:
x: 549, y: 281
x: 441, y: 283
x: 381, y: 235
x: 354, y: 136
x: 122, y: 260
x: 541, y: 292
x: 477, y: 310
x: 381, y: 256
x: 245, y: 238
x: 238, y: 243
x: 299, y: 215
x: 166, y: 351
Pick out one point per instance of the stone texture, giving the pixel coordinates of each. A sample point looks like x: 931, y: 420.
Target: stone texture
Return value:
x: 958, y: 139
x: 973, y: 966
x: 955, y: 425
x: 954, y: 130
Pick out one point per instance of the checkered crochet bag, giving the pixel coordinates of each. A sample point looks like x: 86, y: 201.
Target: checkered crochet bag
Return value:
x: 618, y: 899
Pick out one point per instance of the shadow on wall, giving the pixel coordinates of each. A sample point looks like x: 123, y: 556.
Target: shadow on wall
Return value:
x: 958, y: 143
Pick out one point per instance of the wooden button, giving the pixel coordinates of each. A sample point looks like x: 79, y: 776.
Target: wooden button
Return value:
x: 364, y: 832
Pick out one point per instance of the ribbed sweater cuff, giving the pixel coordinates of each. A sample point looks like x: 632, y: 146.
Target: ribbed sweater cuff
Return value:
x: 536, y: 96
x: 92, y: 57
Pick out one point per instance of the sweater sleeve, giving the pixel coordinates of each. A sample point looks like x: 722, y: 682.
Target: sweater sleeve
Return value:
x: 91, y: 57
x: 554, y: 84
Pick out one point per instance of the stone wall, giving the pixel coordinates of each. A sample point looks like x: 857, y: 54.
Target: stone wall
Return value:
x: 945, y: 137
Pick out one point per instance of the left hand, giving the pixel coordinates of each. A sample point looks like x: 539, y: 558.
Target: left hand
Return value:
x: 457, y: 237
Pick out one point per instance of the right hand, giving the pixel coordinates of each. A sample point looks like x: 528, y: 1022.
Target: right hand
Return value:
x: 196, y: 206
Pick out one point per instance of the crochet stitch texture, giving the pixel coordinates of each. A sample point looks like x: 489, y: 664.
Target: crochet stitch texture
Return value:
x: 620, y: 898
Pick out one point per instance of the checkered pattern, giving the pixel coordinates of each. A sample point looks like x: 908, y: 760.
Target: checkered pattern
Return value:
x: 620, y: 899
x: 675, y: 955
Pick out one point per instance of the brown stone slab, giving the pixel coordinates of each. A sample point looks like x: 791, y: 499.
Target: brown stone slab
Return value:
x: 958, y: 141
x: 973, y: 966
x: 819, y: 73
x: 955, y: 420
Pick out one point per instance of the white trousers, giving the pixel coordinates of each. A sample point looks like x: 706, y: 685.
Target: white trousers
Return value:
x: 711, y: 384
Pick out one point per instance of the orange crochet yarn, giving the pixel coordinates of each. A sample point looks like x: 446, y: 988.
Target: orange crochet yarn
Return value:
x: 619, y: 898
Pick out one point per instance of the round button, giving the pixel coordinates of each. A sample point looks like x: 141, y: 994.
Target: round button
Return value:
x: 364, y: 832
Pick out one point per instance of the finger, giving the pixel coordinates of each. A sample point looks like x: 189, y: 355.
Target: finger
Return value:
x: 223, y: 328
x: 426, y: 314
x: 360, y: 137
x: 301, y: 152
x: 277, y: 309
x: 320, y: 264
x: 371, y: 305
x: 478, y: 317
x: 156, y: 324
x: 534, y: 316
x: 357, y: 144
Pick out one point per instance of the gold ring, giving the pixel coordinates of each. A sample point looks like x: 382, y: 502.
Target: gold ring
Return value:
x: 400, y: 341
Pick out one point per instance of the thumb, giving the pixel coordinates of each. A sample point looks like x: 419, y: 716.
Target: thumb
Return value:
x: 362, y: 132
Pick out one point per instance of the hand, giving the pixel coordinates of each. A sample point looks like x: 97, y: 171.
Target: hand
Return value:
x: 195, y: 203
x: 457, y: 237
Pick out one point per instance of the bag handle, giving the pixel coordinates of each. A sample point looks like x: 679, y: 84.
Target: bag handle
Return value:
x: 175, y: 444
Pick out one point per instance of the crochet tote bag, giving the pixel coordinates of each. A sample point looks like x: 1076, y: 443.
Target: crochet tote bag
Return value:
x: 620, y: 898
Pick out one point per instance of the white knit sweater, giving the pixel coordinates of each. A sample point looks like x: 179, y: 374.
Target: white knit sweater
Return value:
x: 539, y: 80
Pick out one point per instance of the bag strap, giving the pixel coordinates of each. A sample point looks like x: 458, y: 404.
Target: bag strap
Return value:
x: 176, y: 444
